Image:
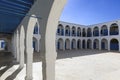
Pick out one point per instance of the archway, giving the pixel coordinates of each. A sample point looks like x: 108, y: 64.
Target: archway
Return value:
x: 104, y: 30
x: 78, y: 32
x: 60, y: 44
x: 89, y: 44
x: 67, y: 30
x: 114, y: 29
x: 60, y: 30
x: 73, y: 44
x: 83, y: 32
x: 104, y: 44
x: 96, y: 31
x: 79, y: 44
x: 114, y: 44
x: 73, y: 31
x: 83, y: 44
x: 89, y: 32
x: 67, y: 44
x: 96, y: 44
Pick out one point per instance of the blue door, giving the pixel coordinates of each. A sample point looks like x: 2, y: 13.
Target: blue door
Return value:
x: 103, y: 45
x: 72, y: 45
x: 114, y: 46
x: 94, y: 45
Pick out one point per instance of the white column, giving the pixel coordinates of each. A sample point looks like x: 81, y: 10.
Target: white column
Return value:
x: 99, y: 44
x: 22, y: 47
x: 119, y: 43
x: 70, y: 44
x: 76, y: 45
x: 63, y: 44
x: 14, y: 46
x: 17, y: 45
x: 108, y: 44
x: 85, y: 44
x: 81, y: 44
x: 92, y: 44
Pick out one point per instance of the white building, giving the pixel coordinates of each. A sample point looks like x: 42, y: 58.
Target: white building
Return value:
x: 70, y: 36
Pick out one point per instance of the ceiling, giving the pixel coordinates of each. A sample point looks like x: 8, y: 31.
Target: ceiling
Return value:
x: 11, y: 14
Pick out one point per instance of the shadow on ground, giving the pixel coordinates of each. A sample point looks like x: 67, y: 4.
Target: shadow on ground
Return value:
x: 76, y: 53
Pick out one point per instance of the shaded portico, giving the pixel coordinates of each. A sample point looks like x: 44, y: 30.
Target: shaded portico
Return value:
x: 22, y: 34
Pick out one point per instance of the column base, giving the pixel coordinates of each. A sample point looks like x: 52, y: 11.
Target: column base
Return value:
x: 28, y: 78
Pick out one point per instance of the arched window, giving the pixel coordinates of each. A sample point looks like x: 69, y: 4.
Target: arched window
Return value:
x: 114, y: 29
x: 96, y: 44
x: 60, y: 30
x: 60, y: 44
x: 73, y: 44
x: 89, y: 44
x: 83, y: 44
x: 73, y: 31
x: 79, y: 44
x: 114, y: 44
x: 67, y: 31
x: 104, y: 30
x: 78, y: 32
x: 67, y: 44
x: 89, y: 32
x: 104, y: 44
x: 96, y: 31
x: 83, y: 33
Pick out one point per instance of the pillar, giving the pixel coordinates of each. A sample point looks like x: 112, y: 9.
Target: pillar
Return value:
x: 108, y: 44
x: 99, y: 44
x: 21, y: 46
x: 17, y: 45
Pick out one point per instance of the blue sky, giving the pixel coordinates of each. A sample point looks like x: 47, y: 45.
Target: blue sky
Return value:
x: 88, y: 12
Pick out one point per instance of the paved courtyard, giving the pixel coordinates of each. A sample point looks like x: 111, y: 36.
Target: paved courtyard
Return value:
x: 73, y: 65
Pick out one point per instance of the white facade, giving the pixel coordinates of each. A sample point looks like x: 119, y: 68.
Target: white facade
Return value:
x: 103, y: 36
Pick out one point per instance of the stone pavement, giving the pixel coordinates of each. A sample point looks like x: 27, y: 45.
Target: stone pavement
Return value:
x: 73, y: 65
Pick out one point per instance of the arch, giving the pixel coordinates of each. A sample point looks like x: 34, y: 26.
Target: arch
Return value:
x: 96, y: 31
x: 73, y: 44
x: 78, y: 31
x: 60, y: 44
x: 114, y: 29
x: 89, y: 44
x: 104, y: 30
x: 104, y: 44
x: 96, y: 44
x: 83, y: 44
x: 114, y: 44
x: 83, y: 32
x: 89, y: 32
x: 79, y: 44
x: 73, y: 31
x: 67, y: 30
x: 60, y: 30
x: 67, y: 44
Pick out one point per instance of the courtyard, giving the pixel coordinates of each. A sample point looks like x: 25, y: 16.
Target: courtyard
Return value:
x: 71, y: 65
